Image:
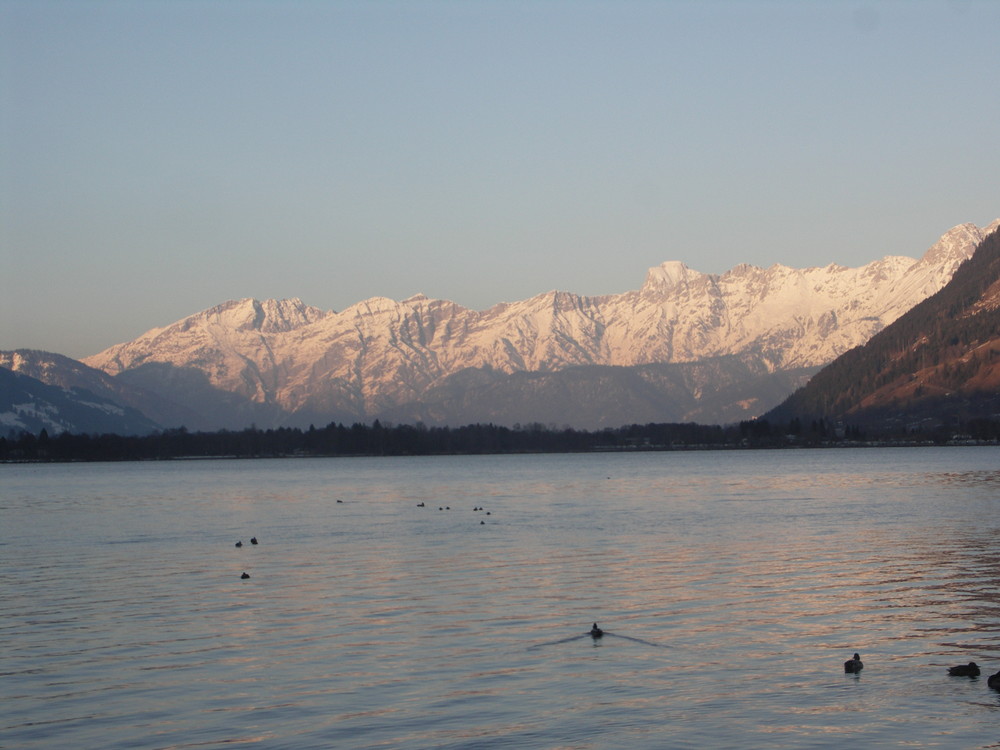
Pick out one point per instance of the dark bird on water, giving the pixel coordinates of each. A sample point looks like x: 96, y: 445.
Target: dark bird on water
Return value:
x: 596, y: 632
x: 965, y: 670
x: 253, y: 540
x: 245, y: 576
x: 854, y: 665
x: 239, y: 544
x: 994, y: 681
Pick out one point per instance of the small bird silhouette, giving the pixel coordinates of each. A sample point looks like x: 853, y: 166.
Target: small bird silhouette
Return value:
x: 854, y: 665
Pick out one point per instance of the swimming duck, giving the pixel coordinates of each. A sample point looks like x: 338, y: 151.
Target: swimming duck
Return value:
x: 965, y: 670
x: 245, y: 576
x: 253, y: 540
x: 239, y: 544
x: 596, y: 632
x: 854, y: 665
x: 994, y: 681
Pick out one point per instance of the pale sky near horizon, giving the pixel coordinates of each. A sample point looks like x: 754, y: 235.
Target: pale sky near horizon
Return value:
x: 161, y: 157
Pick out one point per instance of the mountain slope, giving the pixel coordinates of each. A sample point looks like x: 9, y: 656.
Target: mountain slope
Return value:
x: 29, y: 405
x: 55, y: 369
x: 275, y: 361
x: 939, y: 361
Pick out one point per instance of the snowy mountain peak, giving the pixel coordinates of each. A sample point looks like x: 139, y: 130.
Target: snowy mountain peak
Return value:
x: 741, y: 270
x: 377, y: 306
x: 668, y: 276
x: 249, y: 314
x: 957, y: 244
x: 267, y: 316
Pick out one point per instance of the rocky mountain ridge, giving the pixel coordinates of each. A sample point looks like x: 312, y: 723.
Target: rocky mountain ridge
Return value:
x: 380, y: 356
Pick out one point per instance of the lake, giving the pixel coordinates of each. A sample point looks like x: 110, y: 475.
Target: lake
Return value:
x: 385, y: 610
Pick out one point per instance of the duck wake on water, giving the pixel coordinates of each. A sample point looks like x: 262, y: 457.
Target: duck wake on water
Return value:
x: 596, y: 634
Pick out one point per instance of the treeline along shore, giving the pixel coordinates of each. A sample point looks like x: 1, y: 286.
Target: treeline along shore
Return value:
x: 379, y: 439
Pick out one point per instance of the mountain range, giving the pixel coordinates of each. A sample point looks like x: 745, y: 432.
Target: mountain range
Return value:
x: 685, y: 346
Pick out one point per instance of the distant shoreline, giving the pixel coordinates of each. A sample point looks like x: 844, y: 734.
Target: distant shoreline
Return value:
x: 113, y: 448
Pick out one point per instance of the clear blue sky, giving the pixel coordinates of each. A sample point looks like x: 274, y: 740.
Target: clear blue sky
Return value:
x: 159, y: 158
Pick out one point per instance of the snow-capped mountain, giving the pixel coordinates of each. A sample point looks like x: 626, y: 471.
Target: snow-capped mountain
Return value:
x: 286, y: 362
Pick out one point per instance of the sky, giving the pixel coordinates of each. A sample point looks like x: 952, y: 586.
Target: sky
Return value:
x: 158, y: 158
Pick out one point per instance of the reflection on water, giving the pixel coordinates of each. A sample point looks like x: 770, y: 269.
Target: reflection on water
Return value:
x: 732, y: 587
x: 977, y: 479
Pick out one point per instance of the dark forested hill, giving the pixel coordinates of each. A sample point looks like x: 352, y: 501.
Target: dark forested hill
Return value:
x: 938, y: 363
x: 28, y: 405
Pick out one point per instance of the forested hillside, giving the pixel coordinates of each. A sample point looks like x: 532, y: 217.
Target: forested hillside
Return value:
x: 938, y: 362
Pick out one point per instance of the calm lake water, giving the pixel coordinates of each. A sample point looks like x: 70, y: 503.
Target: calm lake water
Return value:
x: 733, y: 585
